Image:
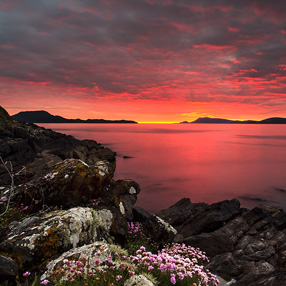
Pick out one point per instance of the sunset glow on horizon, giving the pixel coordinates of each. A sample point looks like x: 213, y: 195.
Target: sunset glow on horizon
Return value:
x: 152, y: 61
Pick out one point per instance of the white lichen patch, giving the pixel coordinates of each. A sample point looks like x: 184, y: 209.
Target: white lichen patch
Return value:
x: 71, y: 227
x: 85, y: 164
x: 50, y: 176
x: 132, y: 191
x: 121, y: 208
x: 31, y: 239
x: 104, y: 218
x: 167, y: 226
x: 102, y: 167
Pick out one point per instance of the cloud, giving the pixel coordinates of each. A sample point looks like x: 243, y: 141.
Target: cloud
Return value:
x: 203, y: 51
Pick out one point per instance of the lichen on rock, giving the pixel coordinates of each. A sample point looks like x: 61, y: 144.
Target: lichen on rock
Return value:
x: 56, y: 232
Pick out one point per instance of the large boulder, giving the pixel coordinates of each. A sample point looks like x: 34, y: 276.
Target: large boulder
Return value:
x: 73, y: 183
x: 70, y: 183
x: 37, y: 239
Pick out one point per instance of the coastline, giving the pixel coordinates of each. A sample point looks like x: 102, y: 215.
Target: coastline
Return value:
x: 246, y: 245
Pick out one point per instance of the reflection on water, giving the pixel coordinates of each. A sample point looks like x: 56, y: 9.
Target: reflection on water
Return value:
x: 204, y: 162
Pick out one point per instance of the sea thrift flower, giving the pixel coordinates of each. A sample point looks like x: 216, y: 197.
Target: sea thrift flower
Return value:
x: 118, y: 277
x: 150, y: 268
x: 173, y: 279
x: 26, y: 274
x: 45, y: 282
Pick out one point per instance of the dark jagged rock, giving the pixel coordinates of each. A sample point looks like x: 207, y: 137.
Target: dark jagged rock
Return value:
x: 140, y: 215
x: 210, y: 218
x: 38, y: 148
x: 8, y: 269
x: 246, y: 245
x: 212, y: 243
x: 179, y: 212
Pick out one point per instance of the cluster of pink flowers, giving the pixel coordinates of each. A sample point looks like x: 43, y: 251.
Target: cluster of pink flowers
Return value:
x: 84, y: 268
x: 177, y: 260
x: 95, y: 203
x: 2, y: 201
x: 133, y: 227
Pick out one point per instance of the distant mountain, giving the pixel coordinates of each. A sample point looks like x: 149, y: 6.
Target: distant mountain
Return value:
x: 45, y: 117
x: 273, y: 120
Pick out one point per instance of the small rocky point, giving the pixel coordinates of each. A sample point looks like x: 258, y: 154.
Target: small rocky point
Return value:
x: 75, y: 207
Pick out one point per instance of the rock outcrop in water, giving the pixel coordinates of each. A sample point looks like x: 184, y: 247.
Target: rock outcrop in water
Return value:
x: 248, y: 246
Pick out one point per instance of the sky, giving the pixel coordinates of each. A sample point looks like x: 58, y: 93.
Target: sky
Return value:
x: 144, y: 60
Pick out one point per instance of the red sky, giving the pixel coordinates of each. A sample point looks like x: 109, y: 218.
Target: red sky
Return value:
x: 145, y: 60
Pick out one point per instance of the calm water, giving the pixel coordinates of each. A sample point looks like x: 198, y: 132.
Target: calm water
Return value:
x: 205, y: 162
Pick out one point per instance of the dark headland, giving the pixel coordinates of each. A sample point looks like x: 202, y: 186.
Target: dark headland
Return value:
x: 272, y: 120
x: 42, y: 116
x: 74, y: 205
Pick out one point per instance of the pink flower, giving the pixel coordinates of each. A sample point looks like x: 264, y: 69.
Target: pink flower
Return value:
x: 27, y: 274
x: 173, y: 279
x: 150, y: 268
x: 45, y: 282
x: 118, y: 277
x: 97, y: 261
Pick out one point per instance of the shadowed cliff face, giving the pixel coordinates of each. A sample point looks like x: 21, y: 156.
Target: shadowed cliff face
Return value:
x: 38, y: 149
x: 5, y: 118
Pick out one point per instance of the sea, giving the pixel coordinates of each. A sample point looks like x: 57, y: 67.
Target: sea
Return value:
x: 203, y: 162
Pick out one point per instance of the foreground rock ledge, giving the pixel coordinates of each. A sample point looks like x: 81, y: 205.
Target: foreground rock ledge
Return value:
x: 246, y: 245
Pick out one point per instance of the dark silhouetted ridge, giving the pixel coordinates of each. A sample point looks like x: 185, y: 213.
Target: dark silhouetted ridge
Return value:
x: 42, y: 116
x: 273, y: 120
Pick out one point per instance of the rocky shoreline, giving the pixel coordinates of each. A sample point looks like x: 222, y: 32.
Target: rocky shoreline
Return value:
x: 72, y: 202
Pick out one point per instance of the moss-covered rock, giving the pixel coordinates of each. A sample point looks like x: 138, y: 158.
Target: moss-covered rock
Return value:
x: 37, y: 239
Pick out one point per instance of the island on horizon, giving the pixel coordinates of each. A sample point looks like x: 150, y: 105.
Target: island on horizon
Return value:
x: 272, y: 120
x: 42, y: 116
